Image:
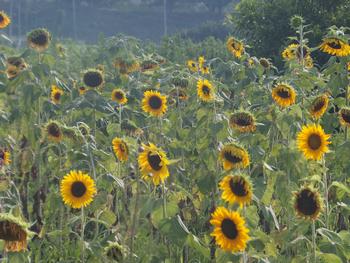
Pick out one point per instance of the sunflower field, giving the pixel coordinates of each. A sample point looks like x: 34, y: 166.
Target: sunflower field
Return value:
x: 127, y: 151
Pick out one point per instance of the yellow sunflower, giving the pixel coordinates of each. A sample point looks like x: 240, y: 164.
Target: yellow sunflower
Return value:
x: 12, y: 72
x: 319, y: 106
x: 17, y: 62
x: 56, y: 94
x: 120, y: 149
x: 82, y: 90
x: 313, y: 141
x: 205, y: 90
x: 93, y: 78
x: 243, y: 121
x: 153, y: 164
x: 39, y: 39
x: 4, y: 157
x: 4, y: 20
x: 344, y: 116
x: 192, y: 65
x: 77, y: 189
x: 230, y: 232
x: 236, y: 189
x: 294, y: 51
x: 204, y: 69
x: 234, y: 156
x: 154, y: 103
x: 284, y: 95
x: 53, y: 131
x: 307, y: 203
x: 235, y: 46
x: 119, y: 96
x: 348, y: 66
x: 335, y: 46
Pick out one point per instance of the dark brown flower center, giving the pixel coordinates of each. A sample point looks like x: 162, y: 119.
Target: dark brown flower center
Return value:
x: 40, y: 39
x: 78, y: 189
x: 123, y: 148
x: 314, y: 141
x: 154, y: 161
x: 206, y: 90
x: 54, y: 130
x: 115, y: 254
x: 2, y: 154
x: 345, y: 114
x: 155, y: 102
x: 238, y: 187
x: 335, y: 44
x: 1, y: 18
x: 92, y: 79
x: 57, y: 96
x: 118, y: 95
x: 11, y: 232
x: 232, y: 158
x: 283, y: 93
x: 318, y: 104
x: 306, y: 203
x: 229, y: 229
x: 243, y: 120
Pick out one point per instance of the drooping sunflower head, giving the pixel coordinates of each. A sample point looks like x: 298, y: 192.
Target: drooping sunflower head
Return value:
x: 153, y: 164
x: 205, y: 90
x: 39, y: 39
x: 77, y: 189
x: 180, y: 82
x: 344, y: 116
x: 178, y: 94
x: 265, y: 63
x: 115, y: 252
x: 120, y: 149
x: 192, y: 65
x: 307, y: 203
x: 236, y: 189
x: 235, y: 46
x: 295, y: 51
x: 119, y: 96
x: 93, y: 78
x: 14, y: 231
x: 56, y: 94
x: 230, y: 232
x: 4, y: 157
x: 242, y: 121
x: 313, y: 141
x: 53, y: 131
x: 17, y: 62
x: 335, y: 47
x: 284, y: 95
x: 204, y: 69
x: 234, y: 156
x: 148, y: 66
x: 319, y: 106
x: 154, y: 103
x: 289, y: 52
x: 4, y: 20
x: 82, y: 90
x: 12, y: 72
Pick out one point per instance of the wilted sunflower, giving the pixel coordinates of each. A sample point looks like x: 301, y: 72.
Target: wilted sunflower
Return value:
x: 17, y: 62
x: 284, y: 95
x: 39, y: 39
x: 154, y: 103
x: 93, y: 78
x: 149, y: 66
x: 236, y: 189
x: 53, y: 131
x: 307, y: 203
x: 243, y: 121
x: 12, y: 72
x: 4, y: 157
x: 82, y: 90
x: 153, y: 164
x: 319, y: 106
x: 178, y: 94
x: 120, y: 149
x: 336, y: 47
x: 230, y: 232
x: 77, y: 189
x: 205, y: 90
x: 265, y: 63
x: 192, y: 65
x: 233, y: 156
x: 56, y: 94
x: 344, y: 116
x: 313, y: 141
x: 14, y: 231
x: 235, y: 46
x: 294, y: 51
x: 4, y: 20
x: 119, y: 96
x: 115, y: 251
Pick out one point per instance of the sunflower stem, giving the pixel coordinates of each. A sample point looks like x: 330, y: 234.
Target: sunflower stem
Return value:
x: 313, y: 241
x: 164, y: 201
x: 325, y: 184
x: 134, y: 217
x: 120, y: 117
x: 82, y: 235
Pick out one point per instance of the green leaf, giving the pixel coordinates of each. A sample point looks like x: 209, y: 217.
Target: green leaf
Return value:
x: 329, y: 258
x: 172, y: 229
x: 108, y: 217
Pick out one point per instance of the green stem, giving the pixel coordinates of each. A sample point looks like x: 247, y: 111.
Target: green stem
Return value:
x: 164, y: 201
x: 82, y: 235
x: 325, y: 184
x: 313, y: 241
x: 134, y: 218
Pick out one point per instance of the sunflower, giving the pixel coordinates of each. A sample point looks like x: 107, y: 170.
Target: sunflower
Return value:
x: 17, y: 62
x: 153, y: 164
x: 204, y: 69
x: 39, y: 39
x: 149, y: 66
x: 12, y: 72
x: 93, y: 78
x: 56, y: 94
x: 201, y: 61
x: 4, y: 157
x: 4, y: 20
x: 335, y: 46
x: 154, y: 103
x: 53, y: 131
x: 294, y: 51
x: 119, y: 96
x: 115, y: 251
x: 82, y: 90
x: 192, y: 65
x: 233, y: 156
x: 178, y: 94
x: 120, y: 149
x: 284, y: 95
x: 205, y: 90
x: 243, y: 121
x: 235, y: 46
x: 230, y: 232
x: 313, y: 141
x: 14, y: 231
x: 307, y: 203
x: 319, y: 106
x: 77, y: 189
x: 265, y: 63
x: 236, y: 189
x: 344, y: 116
